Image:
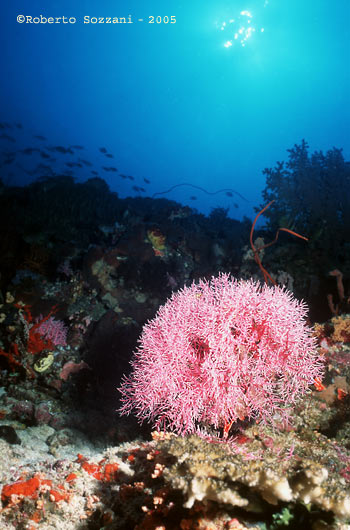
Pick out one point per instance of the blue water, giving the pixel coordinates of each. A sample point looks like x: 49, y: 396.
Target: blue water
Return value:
x: 182, y: 102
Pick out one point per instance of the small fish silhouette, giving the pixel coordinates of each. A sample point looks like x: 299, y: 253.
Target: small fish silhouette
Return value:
x: 73, y: 164
x: 61, y: 149
x: 9, y: 160
x: 110, y: 168
x: 29, y: 150
x: 86, y: 162
x: 7, y: 137
x: 44, y: 166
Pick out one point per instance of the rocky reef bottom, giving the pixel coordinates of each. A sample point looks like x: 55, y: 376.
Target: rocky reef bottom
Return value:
x: 260, y: 478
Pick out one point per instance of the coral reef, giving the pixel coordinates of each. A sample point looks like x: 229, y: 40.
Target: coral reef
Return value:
x: 82, y: 271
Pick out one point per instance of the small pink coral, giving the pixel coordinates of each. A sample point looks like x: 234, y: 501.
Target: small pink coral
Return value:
x: 219, y: 351
x: 53, y: 330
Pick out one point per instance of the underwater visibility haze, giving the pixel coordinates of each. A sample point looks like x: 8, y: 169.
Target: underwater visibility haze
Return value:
x: 207, y: 93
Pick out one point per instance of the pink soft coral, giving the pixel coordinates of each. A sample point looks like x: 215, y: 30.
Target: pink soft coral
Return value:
x: 219, y: 351
x: 53, y: 330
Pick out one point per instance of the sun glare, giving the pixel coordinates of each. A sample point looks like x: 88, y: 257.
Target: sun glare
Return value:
x: 240, y: 29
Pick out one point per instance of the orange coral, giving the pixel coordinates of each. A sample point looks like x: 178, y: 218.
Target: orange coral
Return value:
x: 99, y: 471
x: 341, y: 331
x: 26, y: 488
